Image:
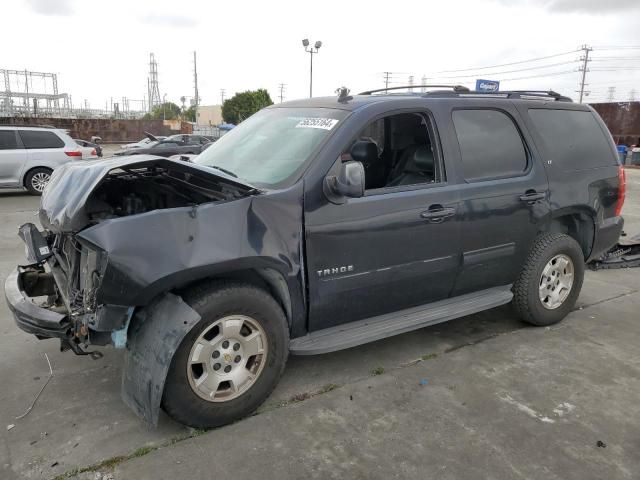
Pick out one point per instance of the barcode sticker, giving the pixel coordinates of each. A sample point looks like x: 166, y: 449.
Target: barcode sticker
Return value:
x: 323, y: 123
x: 44, y: 250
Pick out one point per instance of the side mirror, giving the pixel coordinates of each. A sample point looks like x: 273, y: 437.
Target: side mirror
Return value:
x: 349, y: 182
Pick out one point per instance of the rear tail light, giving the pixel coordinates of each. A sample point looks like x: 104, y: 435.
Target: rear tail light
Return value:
x: 622, y: 190
x: 73, y: 153
x: 93, y: 152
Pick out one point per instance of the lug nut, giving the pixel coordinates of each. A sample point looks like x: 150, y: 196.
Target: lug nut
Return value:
x: 225, y: 344
x: 236, y: 347
x: 216, y: 366
x: 227, y: 369
x: 216, y: 354
x: 237, y: 359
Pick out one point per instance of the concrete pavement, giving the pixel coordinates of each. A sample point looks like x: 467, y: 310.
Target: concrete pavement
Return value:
x: 392, y: 429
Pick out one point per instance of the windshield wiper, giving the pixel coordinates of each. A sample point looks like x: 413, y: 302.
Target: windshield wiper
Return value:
x: 228, y: 172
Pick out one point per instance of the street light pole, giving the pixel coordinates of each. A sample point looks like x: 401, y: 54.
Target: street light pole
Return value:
x: 311, y: 51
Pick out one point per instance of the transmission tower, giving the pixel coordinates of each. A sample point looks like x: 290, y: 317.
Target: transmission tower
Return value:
x: 152, y: 84
x: 281, y: 88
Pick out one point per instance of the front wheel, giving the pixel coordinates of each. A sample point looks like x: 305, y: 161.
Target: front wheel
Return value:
x: 550, y: 281
x: 231, y: 361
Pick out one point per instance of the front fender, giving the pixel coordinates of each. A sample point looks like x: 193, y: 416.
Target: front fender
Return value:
x: 153, y: 338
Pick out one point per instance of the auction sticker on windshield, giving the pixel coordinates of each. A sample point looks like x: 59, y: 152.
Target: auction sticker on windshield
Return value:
x: 323, y: 123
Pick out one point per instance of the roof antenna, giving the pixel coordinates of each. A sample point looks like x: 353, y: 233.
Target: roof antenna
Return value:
x: 343, y: 94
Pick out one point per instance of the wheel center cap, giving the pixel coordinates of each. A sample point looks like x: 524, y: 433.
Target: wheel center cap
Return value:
x: 227, y: 357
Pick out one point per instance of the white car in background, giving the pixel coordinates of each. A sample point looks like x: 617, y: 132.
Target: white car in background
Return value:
x: 148, y: 141
x: 28, y: 155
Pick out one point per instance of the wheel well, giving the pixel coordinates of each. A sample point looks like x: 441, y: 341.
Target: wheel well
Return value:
x: 267, y: 279
x: 26, y: 174
x: 579, y: 226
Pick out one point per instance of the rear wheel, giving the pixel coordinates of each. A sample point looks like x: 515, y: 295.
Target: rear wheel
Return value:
x: 37, y: 179
x: 231, y: 361
x: 550, y: 281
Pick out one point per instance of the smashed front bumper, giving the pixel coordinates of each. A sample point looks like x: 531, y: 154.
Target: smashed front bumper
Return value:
x: 29, y: 316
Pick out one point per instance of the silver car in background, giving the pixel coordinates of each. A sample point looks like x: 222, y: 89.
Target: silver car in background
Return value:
x: 28, y: 155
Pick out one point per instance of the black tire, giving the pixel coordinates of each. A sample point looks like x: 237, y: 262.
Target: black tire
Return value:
x: 214, y: 301
x: 30, y: 179
x: 526, y: 300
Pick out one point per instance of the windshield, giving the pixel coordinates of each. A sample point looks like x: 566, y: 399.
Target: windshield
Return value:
x: 272, y: 145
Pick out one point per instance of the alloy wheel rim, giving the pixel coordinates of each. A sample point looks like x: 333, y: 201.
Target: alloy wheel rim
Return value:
x: 227, y: 358
x: 556, y: 281
x: 39, y: 181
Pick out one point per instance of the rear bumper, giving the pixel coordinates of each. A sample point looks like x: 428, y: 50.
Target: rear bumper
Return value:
x: 39, y: 321
x: 606, y: 236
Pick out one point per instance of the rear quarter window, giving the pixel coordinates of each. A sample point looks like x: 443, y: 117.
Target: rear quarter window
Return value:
x: 573, y: 139
x: 38, y: 139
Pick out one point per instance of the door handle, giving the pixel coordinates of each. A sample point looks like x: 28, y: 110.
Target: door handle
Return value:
x: 438, y: 213
x: 532, y: 197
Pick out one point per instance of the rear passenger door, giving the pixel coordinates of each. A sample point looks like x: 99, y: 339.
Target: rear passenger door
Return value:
x: 13, y: 158
x: 503, y: 195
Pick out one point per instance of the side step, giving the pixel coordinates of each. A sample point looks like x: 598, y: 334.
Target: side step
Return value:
x: 383, y: 326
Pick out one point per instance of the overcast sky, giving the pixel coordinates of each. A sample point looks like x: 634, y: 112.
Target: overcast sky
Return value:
x: 100, y: 49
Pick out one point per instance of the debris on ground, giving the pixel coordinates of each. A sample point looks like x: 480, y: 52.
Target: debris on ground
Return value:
x: 9, y: 427
x: 601, y: 444
x: 424, y: 381
x: 41, y: 390
x: 625, y: 254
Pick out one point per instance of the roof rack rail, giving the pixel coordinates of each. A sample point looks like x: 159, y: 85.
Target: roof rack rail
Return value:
x: 455, y: 88
x: 525, y: 93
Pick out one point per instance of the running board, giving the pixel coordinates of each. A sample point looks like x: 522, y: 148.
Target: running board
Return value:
x: 383, y: 326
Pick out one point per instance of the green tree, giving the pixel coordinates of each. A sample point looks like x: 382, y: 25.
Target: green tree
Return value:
x: 242, y: 105
x: 190, y: 114
x: 167, y: 111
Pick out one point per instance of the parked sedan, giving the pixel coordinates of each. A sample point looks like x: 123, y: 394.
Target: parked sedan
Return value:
x: 148, y: 141
x: 166, y: 148
x: 89, y: 145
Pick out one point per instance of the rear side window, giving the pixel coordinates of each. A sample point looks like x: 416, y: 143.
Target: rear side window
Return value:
x: 490, y: 144
x: 8, y: 140
x: 573, y: 139
x: 38, y: 139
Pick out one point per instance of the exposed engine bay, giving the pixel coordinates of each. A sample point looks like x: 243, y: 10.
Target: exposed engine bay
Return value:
x: 131, y: 191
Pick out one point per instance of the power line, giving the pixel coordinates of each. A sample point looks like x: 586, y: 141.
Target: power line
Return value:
x: 539, y: 67
x: 551, y: 74
x: 508, y: 64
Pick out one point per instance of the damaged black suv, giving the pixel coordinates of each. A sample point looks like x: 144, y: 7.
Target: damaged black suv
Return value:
x: 314, y: 226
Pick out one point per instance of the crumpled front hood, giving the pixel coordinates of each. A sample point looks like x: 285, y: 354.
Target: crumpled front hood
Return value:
x: 62, y: 208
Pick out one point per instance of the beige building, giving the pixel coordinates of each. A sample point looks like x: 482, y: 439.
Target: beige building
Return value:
x: 209, y: 115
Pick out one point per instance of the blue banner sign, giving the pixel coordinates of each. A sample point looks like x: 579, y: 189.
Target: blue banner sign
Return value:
x: 487, y: 85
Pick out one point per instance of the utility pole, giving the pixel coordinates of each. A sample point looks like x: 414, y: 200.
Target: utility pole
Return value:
x: 386, y: 79
x: 585, y: 60
x: 411, y: 83
x: 632, y: 95
x: 281, y: 87
x: 611, y: 93
x: 423, y: 82
x: 221, y: 96
x: 196, y: 98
